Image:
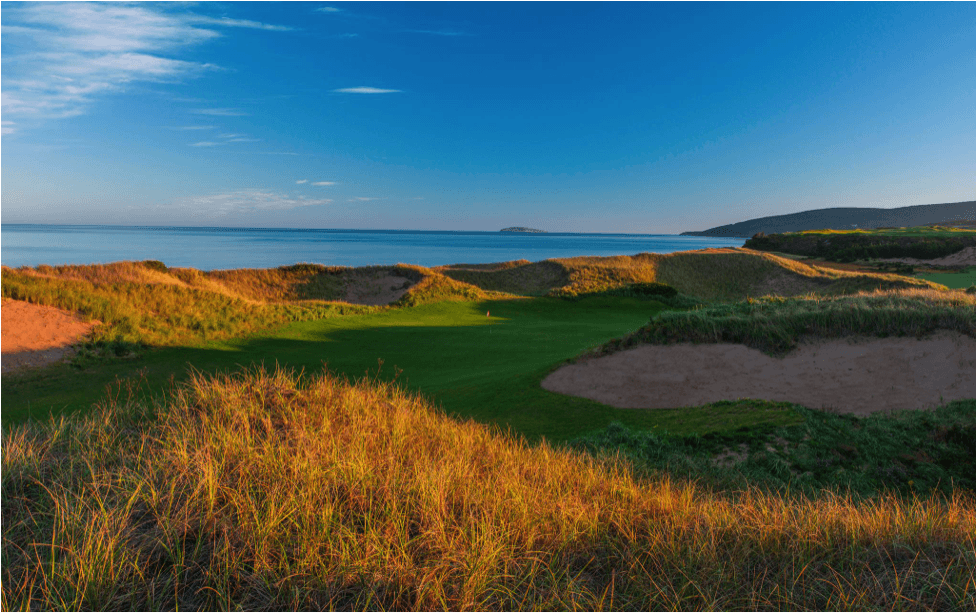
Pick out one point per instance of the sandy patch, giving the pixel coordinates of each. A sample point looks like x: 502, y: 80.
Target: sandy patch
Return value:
x: 859, y: 376
x: 966, y: 257
x: 376, y: 290
x: 35, y: 335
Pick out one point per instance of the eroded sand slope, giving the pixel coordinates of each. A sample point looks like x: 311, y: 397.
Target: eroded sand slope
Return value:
x: 34, y: 335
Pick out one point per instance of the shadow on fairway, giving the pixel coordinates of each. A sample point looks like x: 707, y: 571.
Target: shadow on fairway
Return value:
x: 474, y: 366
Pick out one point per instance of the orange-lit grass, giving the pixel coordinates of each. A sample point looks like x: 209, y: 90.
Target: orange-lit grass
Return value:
x: 265, y: 491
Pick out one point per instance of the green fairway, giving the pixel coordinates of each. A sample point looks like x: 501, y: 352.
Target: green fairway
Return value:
x: 486, y: 368
x: 953, y: 280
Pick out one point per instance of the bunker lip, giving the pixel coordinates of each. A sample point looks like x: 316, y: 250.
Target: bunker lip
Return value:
x: 855, y: 375
x: 36, y: 335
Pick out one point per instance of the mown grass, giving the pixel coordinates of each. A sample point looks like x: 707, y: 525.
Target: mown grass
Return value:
x: 775, y: 325
x: 908, y: 452
x: 261, y: 491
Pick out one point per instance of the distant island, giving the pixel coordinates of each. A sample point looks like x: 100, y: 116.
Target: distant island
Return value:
x: 846, y: 219
x: 522, y: 229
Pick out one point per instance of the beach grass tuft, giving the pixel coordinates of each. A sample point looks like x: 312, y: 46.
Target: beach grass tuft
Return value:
x: 267, y: 490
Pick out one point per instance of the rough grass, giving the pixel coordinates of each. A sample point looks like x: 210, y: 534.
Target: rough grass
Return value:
x: 776, y: 325
x: 909, y: 452
x: 712, y: 275
x: 259, y: 491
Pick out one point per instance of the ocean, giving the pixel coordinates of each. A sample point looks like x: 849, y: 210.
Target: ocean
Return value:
x: 226, y: 248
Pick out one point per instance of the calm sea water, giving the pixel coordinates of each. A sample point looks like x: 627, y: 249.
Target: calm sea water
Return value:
x: 222, y: 248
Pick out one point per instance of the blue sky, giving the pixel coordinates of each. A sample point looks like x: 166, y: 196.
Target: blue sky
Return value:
x: 576, y: 117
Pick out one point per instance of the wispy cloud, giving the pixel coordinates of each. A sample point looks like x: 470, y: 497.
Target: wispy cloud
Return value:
x: 224, y: 112
x: 205, y: 143
x: 365, y: 90
x: 236, y: 23
x: 63, y: 56
x: 328, y: 9
x: 324, y: 183
x: 245, y: 201
x: 8, y: 127
x: 362, y: 199
x: 301, y: 181
x: 186, y: 128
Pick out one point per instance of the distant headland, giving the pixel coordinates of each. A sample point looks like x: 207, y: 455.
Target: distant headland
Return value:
x: 522, y: 229
x: 846, y: 219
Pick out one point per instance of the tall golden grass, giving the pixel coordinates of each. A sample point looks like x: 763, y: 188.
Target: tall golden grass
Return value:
x: 777, y: 324
x: 266, y: 491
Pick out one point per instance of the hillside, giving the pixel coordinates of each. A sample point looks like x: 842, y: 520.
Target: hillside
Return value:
x: 846, y: 218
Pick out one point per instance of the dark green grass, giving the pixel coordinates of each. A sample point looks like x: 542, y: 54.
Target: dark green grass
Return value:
x: 910, y: 452
x: 474, y: 366
x: 953, y: 280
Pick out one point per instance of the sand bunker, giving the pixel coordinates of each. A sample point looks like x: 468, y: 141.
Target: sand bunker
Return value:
x: 966, y: 257
x: 380, y: 290
x: 35, y: 335
x: 858, y: 376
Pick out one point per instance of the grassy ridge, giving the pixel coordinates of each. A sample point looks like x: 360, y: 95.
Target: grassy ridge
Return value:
x: 725, y: 274
x: 159, y: 313
x: 776, y: 325
x: 149, y: 304
x: 259, y: 491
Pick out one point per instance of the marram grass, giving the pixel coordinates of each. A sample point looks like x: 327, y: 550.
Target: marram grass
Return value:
x: 264, y: 490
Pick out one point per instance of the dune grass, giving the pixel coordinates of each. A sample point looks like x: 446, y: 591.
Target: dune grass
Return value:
x: 712, y: 275
x: 775, y: 325
x: 261, y: 491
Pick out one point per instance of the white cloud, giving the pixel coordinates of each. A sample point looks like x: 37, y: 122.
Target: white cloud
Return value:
x: 62, y: 56
x: 362, y: 199
x: 244, y: 140
x: 205, y: 143
x: 301, y: 181
x: 328, y: 9
x: 236, y: 23
x: 224, y: 112
x: 247, y: 200
x: 324, y: 183
x: 365, y: 90
x: 8, y: 127
x: 184, y: 128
